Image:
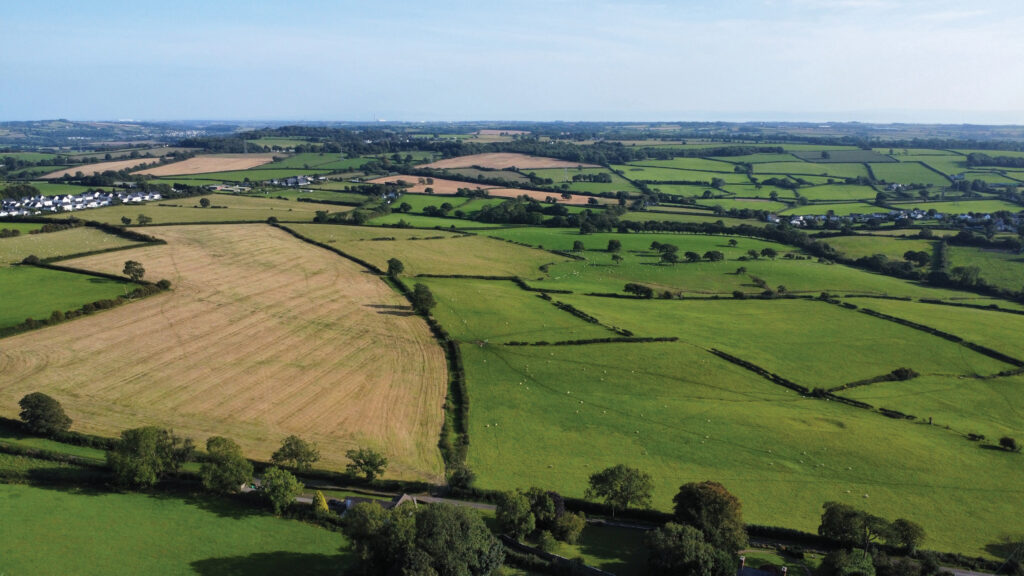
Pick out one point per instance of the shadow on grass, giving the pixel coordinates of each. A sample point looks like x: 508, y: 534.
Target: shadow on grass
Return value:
x: 272, y: 563
x: 74, y: 480
x: 1006, y: 548
x: 235, y: 507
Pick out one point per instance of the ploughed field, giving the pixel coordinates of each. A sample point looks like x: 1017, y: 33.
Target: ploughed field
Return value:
x: 262, y: 336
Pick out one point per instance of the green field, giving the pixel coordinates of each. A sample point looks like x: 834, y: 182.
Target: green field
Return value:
x: 280, y: 142
x: 802, y: 168
x: 652, y: 174
x: 53, y: 189
x: 256, y: 174
x: 237, y: 209
x: 894, y: 248
x: 690, y: 190
x: 498, y: 174
x: 839, y: 209
x: 315, y: 161
x: 908, y: 173
x: 962, y: 207
x: 759, y: 158
x: 30, y: 292
x: 55, y: 531
x: 23, y: 227
x: 426, y: 253
x: 700, y: 164
x: 54, y: 244
x: 729, y: 204
x: 997, y: 267
x: 753, y: 191
x: 838, y: 192
x: 418, y: 221
x: 693, y: 216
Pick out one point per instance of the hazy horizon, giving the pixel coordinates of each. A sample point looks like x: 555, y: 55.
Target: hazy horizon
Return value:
x: 820, y: 61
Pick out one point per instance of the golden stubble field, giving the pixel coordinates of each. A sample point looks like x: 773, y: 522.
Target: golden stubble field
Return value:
x: 99, y: 168
x: 261, y: 337
x: 211, y: 163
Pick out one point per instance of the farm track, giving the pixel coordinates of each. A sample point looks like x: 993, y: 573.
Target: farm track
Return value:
x: 261, y: 337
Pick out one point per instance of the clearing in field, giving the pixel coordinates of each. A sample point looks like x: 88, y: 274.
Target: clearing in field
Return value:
x: 262, y: 336
x: 90, y: 169
x: 502, y: 160
x: 211, y: 163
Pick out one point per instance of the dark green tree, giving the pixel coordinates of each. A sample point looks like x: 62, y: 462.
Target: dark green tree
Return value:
x: 395, y: 267
x: 714, y: 256
x: 620, y: 486
x: 713, y: 510
x: 142, y: 219
x: 514, y: 515
x: 1009, y: 443
x: 577, y: 246
x: 906, y: 534
x: 691, y: 256
x: 614, y: 245
x: 281, y: 487
x: 367, y: 462
x: 144, y: 456
x: 134, y: 270
x: 296, y: 453
x: 225, y: 469
x: 675, y: 549
x: 422, y: 299
x: 204, y: 202
x: 769, y: 253
x: 42, y: 414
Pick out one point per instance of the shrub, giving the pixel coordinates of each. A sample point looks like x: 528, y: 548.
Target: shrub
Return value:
x: 547, y: 542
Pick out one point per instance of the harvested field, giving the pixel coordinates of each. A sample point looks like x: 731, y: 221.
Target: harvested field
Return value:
x: 212, y: 163
x: 262, y: 336
x: 90, y: 169
x: 440, y: 185
x: 573, y: 200
x: 502, y: 160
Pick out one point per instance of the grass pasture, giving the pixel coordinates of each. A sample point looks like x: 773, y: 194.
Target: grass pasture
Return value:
x: 54, y: 531
x: 908, y: 173
x: 700, y: 164
x: 894, y: 248
x: 962, y: 206
x: 30, y: 292
x: 426, y: 253
x: 502, y: 160
x: 262, y: 336
x: 828, y: 192
x: 997, y: 267
x: 56, y: 244
x: 656, y: 174
x: 551, y: 416
x: 830, y: 170
x: 99, y: 168
x: 729, y: 204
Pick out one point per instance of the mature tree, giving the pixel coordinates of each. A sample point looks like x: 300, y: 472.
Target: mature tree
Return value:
x: 395, y: 267
x: 669, y: 257
x: 577, y: 246
x: 569, y: 526
x: 43, y: 415
x: 281, y: 488
x: 126, y: 220
x: 514, y: 515
x: 691, y: 256
x: 404, y: 207
x: 846, y: 563
x: 714, y: 256
x: 142, y: 219
x: 713, y: 510
x: 145, y: 455
x: 851, y: 527
x: 462, y: 477
x: 769, y: 253
x: 676, y: 549
x: 134, y: 270
x: 614, y: 245
x: 906, y: 534
x: 454, y: 540
x: 1008, y: 443
x: 753, y: 254
x: 733, y: 242
x: 741, y: 270
x: 367, y: 462
x: 422, y: 299
x: 204, y: 202
x: 225, y: 469
x: 430, y: 540
x: 620, y: 486
x: 543, y: 507
x: 296, y: 453
x: 639, y: 289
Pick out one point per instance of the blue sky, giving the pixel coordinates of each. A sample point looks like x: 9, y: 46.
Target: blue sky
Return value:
x: 815, y: 60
